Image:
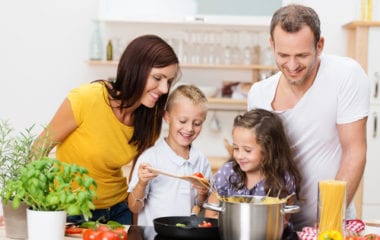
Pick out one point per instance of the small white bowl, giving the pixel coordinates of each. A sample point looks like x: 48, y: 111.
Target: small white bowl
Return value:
x: 209, y: 91
x: 372, y: 226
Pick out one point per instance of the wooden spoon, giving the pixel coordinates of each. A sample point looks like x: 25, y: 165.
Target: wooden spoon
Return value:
x: 193, y: 179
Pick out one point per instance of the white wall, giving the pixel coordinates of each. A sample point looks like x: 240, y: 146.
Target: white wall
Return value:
x: 44, y: 45
x: 333, y: 14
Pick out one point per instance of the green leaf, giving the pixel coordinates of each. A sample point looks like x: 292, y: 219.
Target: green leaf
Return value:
x: 89, y: 224
x: 16, y: 202
x: 114, y: 224
x: 73, y: 210
x: 52, y: 199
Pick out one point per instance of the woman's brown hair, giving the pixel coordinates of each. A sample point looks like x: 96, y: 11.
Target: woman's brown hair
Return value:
x: 141, y: 55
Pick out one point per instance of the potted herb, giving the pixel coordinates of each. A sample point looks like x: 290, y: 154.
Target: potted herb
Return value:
x: 47, y: 185
x: 15, y: 153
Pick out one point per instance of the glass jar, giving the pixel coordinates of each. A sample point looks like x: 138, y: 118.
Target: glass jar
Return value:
x: 331, y: 206
x: 96, y: 46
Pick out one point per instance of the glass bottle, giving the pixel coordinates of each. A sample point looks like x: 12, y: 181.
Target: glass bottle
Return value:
x: 109, y: 50
x: 366, y: 10
x: 96, y: 50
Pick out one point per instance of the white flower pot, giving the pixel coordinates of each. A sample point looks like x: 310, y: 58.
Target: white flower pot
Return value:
x: 45, y: 225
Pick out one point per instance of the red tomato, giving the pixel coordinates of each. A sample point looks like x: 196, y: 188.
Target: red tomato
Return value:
x: 73, y: 230
x: 102, y: 228
x: 107, y: 235
x: 90, y: 234
x: 205, y: 224
x: 122, y: 233
x: 198, y: 174
x: 372, y: 236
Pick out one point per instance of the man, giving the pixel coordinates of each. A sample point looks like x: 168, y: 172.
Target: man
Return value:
x: 324, y: 103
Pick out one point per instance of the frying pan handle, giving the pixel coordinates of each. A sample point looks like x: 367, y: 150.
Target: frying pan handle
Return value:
x: 290, y: 209
x: 212, y: 206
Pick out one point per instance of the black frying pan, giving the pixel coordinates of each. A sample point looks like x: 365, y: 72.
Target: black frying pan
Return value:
x: 166, y: 227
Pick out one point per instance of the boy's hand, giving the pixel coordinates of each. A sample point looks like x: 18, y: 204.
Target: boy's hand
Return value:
x: 144, y: 174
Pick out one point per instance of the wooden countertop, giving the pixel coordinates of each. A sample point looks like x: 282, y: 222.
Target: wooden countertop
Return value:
x: 3, y: 237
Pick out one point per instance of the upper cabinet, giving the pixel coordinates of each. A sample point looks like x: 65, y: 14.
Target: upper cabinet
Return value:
x: 363, y: 38
x: 210, y: 55
x: 236, y: 12
x: 358, y: 35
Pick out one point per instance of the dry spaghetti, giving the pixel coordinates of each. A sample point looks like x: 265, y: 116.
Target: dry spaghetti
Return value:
x: 332, y: 205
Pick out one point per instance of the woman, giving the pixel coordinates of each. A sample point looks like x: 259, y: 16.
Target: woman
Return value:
x: 105, y: 125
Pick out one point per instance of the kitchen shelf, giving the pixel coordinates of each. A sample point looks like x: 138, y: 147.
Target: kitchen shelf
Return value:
x: 355, y: 24
x: 200, y: 66
x: 218, y: 103
x: 227, y: 104
x: 357, y: 39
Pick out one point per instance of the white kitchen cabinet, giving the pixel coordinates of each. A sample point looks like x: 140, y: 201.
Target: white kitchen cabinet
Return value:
x: 191, y: 35
x: 363, y: 39
x: 371, y: 179
x: 371, y: 196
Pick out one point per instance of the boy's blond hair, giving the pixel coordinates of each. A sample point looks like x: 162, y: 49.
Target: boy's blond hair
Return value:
x: 191, y: 92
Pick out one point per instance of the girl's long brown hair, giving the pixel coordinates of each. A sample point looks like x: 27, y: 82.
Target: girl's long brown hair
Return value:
x: 277, y: 155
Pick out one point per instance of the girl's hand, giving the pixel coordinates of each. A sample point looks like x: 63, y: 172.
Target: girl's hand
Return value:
x: 213, y: 200
x: 144, y: 174
x: 201, y: 189
x: 202, y: 193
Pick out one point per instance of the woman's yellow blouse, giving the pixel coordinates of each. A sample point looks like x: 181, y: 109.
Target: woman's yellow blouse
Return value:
x: 100, y: 143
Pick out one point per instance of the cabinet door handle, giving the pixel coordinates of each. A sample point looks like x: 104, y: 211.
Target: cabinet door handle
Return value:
x: 376, y: 90
x: 374, y: 133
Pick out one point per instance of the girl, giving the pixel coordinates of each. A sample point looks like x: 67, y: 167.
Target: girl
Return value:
x: 261, y: 161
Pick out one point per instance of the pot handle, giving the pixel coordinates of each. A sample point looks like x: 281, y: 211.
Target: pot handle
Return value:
x: 213, y: 206
x: 290, y: 209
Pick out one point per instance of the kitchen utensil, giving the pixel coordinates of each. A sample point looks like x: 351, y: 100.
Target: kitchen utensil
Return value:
x: 193, y: 179
x: 166, y: 227
x: 254, y: 220
x: 194, y: 212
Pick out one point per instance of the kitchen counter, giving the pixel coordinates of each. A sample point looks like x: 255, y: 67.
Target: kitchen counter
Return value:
x: 134, y: 233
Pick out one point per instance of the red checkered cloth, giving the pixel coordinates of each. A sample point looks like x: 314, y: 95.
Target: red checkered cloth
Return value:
x: 353, y: 227
x: 308, y: 233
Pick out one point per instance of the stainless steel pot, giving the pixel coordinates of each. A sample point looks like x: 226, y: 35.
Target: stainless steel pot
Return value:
x: 252, y: 221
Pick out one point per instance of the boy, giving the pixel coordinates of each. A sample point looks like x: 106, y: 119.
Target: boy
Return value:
x: 152, y: 195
